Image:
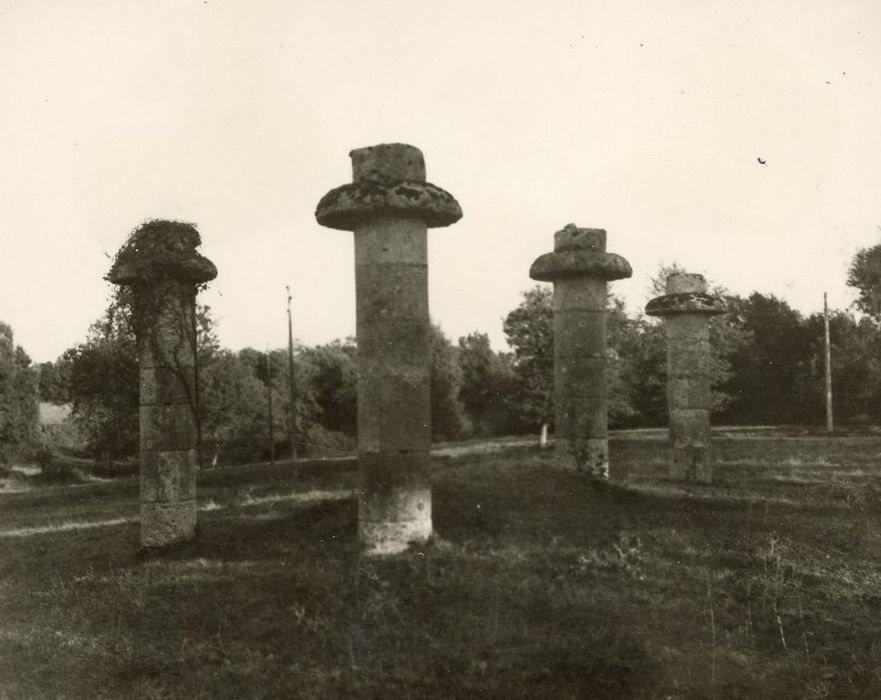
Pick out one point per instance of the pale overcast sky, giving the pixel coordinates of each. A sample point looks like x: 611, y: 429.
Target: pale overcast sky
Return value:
x: 644, y: 118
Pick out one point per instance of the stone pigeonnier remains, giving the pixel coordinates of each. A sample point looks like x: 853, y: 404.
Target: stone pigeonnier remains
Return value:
x: 160, y: 264
x: 580, y: 269
x: 389, y: 206
x: 686, y: 308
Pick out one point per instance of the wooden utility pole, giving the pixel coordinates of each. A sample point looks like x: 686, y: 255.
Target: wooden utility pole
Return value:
x: 269, y: 401
x: 292, y: 388
x: 829, y: 425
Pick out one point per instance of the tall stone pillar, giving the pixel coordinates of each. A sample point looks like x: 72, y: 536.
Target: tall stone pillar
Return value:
x: 580, y: 269
x: 390, y: 206
x: 686, y: 309
x: 160, y: 264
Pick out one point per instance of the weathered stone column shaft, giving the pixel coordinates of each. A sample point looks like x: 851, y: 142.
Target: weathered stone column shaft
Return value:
x: 686, y: 309
x: 580, y: 369
x: 161, y: 265
x: 168, y: 433
x: 389, y: 206
x: 394, y: 366
x: 580, y: 269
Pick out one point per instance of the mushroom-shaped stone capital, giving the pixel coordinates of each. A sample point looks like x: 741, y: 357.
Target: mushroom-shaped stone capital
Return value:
x: 685, y: 303
x: 686, y: 294
x: 162, y: 250
x: 347, y: 207
x: 579, y: 252
x: 387, y: 180
x: 577, y: 263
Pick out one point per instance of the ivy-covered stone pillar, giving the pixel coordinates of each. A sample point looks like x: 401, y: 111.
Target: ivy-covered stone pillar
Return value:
x: 389, y: 206
x: 686, y: 309
x: 160, y: 265
x: 580, y: 269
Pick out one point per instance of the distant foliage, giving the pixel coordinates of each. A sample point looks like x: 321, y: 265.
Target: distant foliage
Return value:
x: 54, y: 381
x: 331, y: 374
x: 104, y: 381
x: 766, y: 361
x: 766, y: 368
x: 864, y: 275
x: 233, y: 403
x: 488, y: 387
x: 19, y: 410
x: 102, y: 377
x: 768, y: 372
x: 448, y: 420
x: 856, y: 370
x: 624, y: 340
x: 236, y: 390
x: 530, y: 332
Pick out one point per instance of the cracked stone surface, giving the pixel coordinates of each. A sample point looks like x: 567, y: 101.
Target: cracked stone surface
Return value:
x: 389, y: 207
x: 686, y: 309
x: 162, y: 266
x: 580, y: 269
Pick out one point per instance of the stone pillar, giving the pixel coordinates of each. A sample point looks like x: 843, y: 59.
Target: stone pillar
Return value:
x: 160, y: 264
x: 580, y: 269
x: 389, y: 206
x: 686, y: 309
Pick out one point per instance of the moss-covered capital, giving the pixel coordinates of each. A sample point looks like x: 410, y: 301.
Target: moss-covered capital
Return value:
x: 685, y: 303
x: 580, y: 252
x: 160, y: 250
x: 686, y: 294
x: 388, y: 180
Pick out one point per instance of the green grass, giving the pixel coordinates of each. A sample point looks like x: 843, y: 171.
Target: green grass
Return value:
x: 765, y: 584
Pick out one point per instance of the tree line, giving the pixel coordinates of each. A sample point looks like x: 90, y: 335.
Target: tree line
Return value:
x: 767, y: 368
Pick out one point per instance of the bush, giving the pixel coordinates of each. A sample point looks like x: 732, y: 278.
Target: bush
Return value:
x: 63, y: 437
x: 318, y: 441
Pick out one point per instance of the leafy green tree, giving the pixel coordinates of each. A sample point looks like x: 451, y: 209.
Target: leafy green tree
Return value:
x: 530, y: 332
x: 624, y: 340
x: 332, y: 374
x: 19, y: 413
x: 729, y: 337
x: 239, y: 431
x: 767, y: 371
x: 647, y: 374
x: 856, y: 370
x: 104, y: 383
x: 488, y: 384
x: 234, y: 408
x: 864, y: 275
x: 448, y: 421
x: 54, y: 381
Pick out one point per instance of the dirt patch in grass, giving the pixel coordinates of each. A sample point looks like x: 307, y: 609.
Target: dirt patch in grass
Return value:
x: 765, y: 584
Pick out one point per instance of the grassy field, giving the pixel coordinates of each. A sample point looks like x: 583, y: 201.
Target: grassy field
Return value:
x: 766, y: 584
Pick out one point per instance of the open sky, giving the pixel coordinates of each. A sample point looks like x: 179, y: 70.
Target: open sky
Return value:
x: 643, y: 118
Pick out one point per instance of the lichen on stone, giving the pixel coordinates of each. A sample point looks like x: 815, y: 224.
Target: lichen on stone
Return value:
x: 685, y: 303
x: 571, y: 263
x: 348, y: 206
